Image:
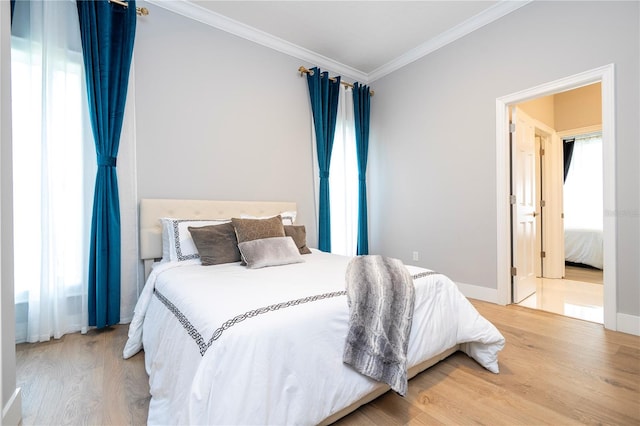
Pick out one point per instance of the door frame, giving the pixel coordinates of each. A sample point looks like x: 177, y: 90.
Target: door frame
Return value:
x: 605, y: 75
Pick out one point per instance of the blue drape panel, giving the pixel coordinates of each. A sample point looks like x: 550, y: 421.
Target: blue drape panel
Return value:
x: 323, y: 93
x: 361, y: 108
x: 107, y: 31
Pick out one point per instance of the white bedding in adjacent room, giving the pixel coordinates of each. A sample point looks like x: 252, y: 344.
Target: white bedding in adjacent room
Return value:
x: 283, y: 366
x: 584, y: 246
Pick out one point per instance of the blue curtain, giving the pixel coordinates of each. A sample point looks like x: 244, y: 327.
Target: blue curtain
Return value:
x: 323, y: 93
x: 13, y: 7
x: 361, y: 108
x: 107, y: 31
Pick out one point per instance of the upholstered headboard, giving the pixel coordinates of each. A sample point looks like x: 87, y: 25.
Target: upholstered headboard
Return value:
x: 151, y: 210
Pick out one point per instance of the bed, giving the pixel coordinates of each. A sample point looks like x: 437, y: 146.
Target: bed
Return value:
x: 584, y: 246
x: 226, y: 344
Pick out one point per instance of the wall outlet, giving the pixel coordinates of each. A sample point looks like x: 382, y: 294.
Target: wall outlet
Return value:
x: 416, y: 256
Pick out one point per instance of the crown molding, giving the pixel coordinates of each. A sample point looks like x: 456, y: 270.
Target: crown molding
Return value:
x: 221, y: 22
x: 497, y: 11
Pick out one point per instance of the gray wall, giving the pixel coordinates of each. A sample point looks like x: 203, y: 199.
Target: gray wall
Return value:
x: 220, y: 117
x: 432, y: 178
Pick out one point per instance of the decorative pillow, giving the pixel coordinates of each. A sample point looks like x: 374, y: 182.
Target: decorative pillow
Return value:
x: 178, y: 238
x: 288, y: 217
x: 216, y: 244
x: 299, y: 235
x: 255, y: 229
x: 270, y: 252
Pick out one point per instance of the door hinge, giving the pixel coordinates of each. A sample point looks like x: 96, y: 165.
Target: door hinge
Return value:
x: 512, y: 127
x: 543, y: 203
x: 514, y: 271
x: 543, y: 254
x: 512, y: 199
x: 541, y: 151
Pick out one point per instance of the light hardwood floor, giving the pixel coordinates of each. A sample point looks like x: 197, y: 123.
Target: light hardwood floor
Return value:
x: 553, y: 370
x: 587, y: 275
x: 82, y: 380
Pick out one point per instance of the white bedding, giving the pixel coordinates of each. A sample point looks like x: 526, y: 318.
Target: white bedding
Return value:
x: 283, y: 366
x: 584, y: 246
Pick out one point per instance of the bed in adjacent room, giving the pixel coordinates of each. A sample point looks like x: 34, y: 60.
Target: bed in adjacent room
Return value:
x: 260, y: 339
x: 584, y: 246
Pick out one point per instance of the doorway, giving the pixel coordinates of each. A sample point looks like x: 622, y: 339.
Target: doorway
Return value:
x: 604, y: 75
x: 566, y: 217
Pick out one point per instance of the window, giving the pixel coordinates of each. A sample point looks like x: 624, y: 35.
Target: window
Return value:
x: 583, y: 193
x: 54, y: 170
x: 343, y: 178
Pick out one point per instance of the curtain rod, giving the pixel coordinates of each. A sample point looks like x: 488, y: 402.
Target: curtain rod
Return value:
x: 303, y: 70
x: 140, y: 11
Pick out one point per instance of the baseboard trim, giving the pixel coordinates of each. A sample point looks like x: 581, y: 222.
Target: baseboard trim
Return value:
x: 12, y: 412
x: 478, y: 292
x: 629, y: 324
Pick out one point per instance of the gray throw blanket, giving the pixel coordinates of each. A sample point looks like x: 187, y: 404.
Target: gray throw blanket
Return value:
x: 381, y: 297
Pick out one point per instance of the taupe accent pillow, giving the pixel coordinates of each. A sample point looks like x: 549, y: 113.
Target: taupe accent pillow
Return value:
x: 255, y: 229
x: 299, y: 235
x: 270, y: 252
x: 216, y: 244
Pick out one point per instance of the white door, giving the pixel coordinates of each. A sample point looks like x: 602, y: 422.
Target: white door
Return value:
x: 523, y: 187
x: 553, y: 232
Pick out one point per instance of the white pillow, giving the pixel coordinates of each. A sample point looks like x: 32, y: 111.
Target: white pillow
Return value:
x: 288, y: 217
x: 177, y: 244
x: 166, y: 239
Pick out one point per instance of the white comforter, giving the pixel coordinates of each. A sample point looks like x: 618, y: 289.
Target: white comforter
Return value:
x: 283, y: 366
x: 584, y: 246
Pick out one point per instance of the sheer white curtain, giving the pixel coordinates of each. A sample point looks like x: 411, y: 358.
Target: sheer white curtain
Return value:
x: 583, y: 205
x: 132, y: 279
x: 343, y: 179
x: 54, y: 171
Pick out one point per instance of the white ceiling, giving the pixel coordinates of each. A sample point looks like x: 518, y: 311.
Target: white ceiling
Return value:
x: 363, y: 40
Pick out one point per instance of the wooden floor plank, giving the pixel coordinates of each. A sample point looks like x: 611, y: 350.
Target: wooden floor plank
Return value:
x: 585, y: 274
x: 553, y: 370
x: 82, y: 379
